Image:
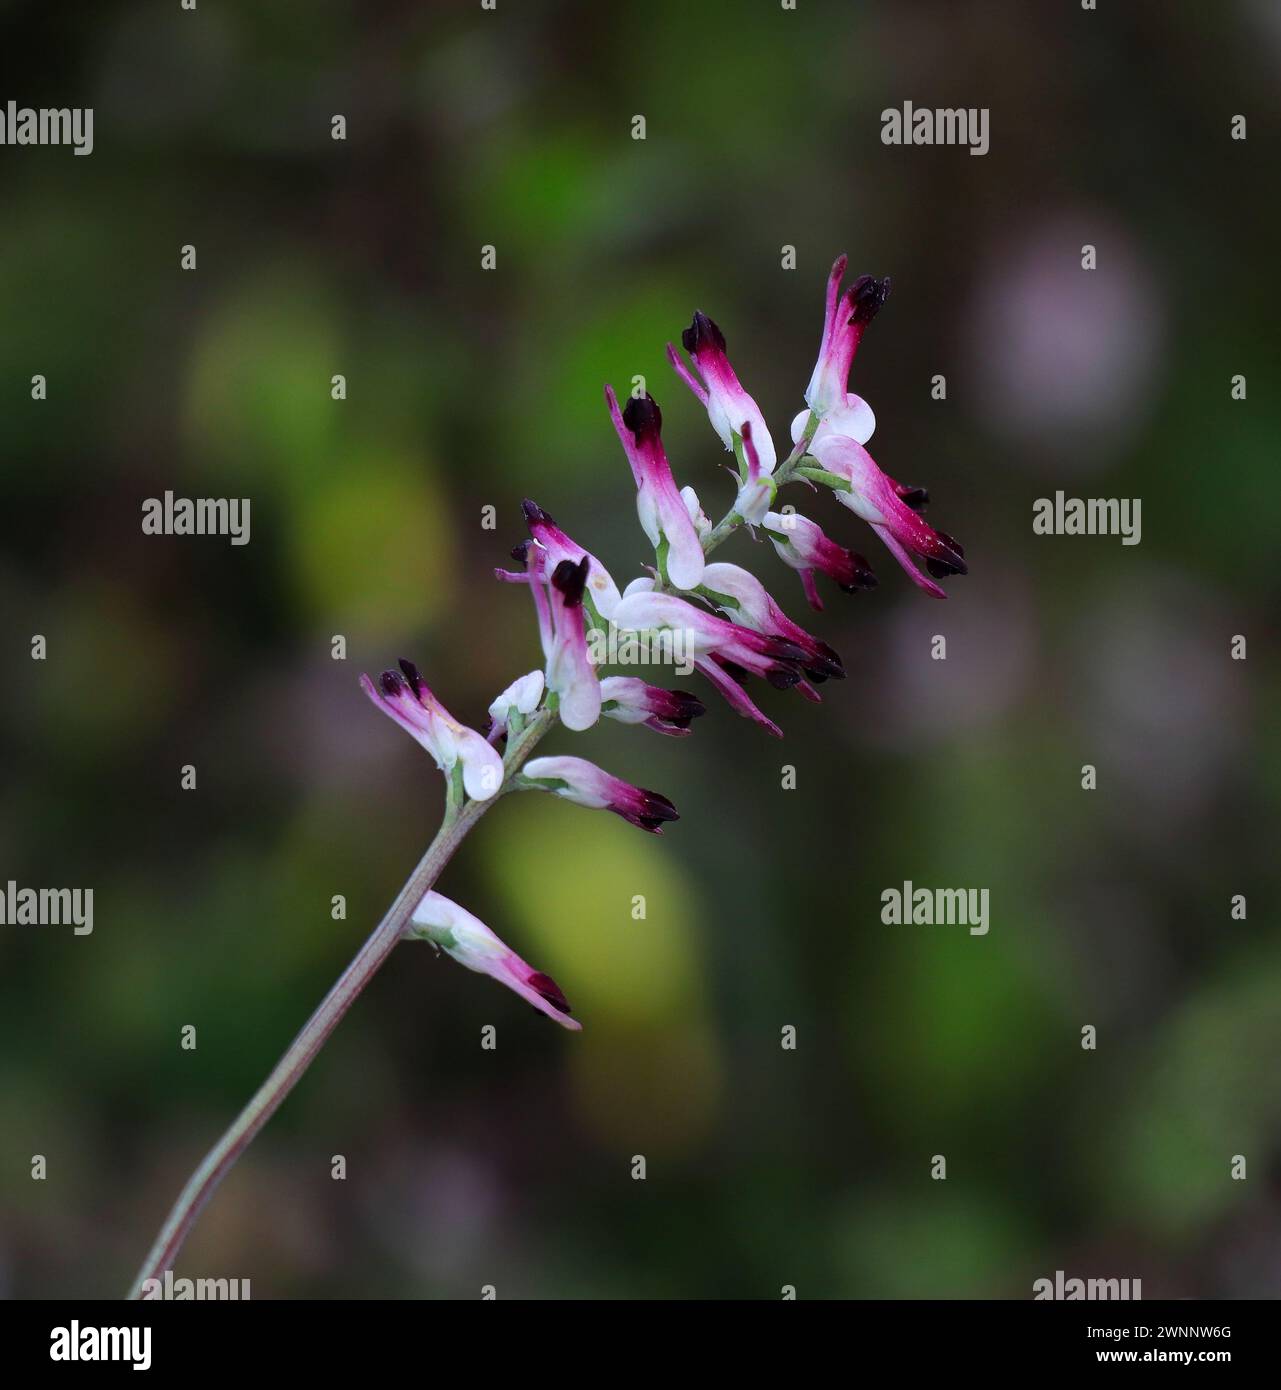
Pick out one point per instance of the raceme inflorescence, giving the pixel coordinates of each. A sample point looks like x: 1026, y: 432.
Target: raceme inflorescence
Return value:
x: 709, y: 616
x: 720, y: 617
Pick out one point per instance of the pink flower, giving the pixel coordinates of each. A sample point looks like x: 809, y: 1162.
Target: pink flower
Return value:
x: 570, y: 673
x: 659, y: 505
x: 889, y: 508
x: 707, y: 635
x: 724, y: 652
x: 757, y: 490
x: 470, y: 942
x: 729, y: 407
x: 585, y: 784
x: 601, y: 589
x: 735, y: 590
x: 844, y: 322
x: 631, y: 700
x: 411, y: 704
x: 802, y: 544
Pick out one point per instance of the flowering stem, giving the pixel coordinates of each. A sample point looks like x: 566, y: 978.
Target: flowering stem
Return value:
x: 300, y: 1054
x: 460, y: 815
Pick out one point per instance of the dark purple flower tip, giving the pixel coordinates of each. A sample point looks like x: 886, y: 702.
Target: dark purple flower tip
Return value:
x: 393, y: 683
x: 550, y: 990
x: 915, y: 497
x: 675, y: 712
x: 534, y: 514
x: 860, y: 575
x: 867, y: 296
x: 654, y: 809
x: 783, y: 677
x: 684, y: 707
x: 950, y: 561
x: 702, y: 334
x: 642, y: 416
x: 520, y: 553
x: 824, y: 662
x: 736, y: 673
x: 783, y: 650
x: 416, y: 682
x: 658, y: 805
x: 570, y: 580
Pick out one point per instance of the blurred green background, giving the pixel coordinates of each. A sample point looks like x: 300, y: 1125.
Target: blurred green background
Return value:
x: 470, y: 388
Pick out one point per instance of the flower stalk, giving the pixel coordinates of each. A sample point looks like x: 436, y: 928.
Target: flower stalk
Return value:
x: 299, y: 1055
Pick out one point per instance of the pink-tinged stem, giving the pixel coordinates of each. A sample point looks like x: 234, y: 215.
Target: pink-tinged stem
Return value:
x: 300, y: 1054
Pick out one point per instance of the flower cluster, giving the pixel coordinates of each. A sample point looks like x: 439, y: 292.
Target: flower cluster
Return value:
x: 727, y: 621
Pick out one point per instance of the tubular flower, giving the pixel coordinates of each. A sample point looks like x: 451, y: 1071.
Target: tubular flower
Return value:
x: 521, y: 697
x: 631, y: 700
x: 585, y: 784
x: 735, y: 590
x: 570, y: 673
x: 889, y: 509
x: 844, y: 322
x: 802, y: 544
x: 706, y: 635
x: 662, y: 512
x: 758, y: 488
x: 729, y: 407
x: 601, y: 589
x: 411, y: 704
x: 471, y: 943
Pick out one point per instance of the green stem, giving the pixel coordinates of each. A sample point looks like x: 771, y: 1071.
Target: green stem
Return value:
x: 821, y: 475
x: 302, y: 1051
x: 731, y: 521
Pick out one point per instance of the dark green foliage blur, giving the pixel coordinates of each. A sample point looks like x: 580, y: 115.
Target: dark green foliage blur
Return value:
x: 470, y: 389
